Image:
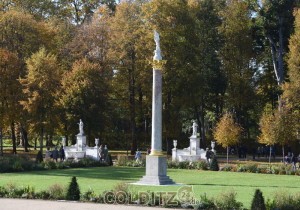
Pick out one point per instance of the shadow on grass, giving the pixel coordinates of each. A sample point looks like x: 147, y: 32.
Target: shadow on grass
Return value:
x: 112, y: 173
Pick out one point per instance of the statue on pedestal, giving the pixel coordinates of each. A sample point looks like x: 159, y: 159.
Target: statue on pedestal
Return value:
x: 81, y: 127
x: 195, y: 126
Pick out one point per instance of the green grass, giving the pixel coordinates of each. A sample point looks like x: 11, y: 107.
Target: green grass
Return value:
x: 203, y: 182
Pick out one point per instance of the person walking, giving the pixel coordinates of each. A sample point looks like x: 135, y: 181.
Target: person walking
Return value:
x: 55, y: 154
x: 100, y: 153
x: 294, y: 162
x: 62, y: 153
x: 208, y: 155
x: 48, y: 154
x: 138, y: 156
x: 105, y: 154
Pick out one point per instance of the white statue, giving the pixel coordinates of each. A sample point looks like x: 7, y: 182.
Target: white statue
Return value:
x: 81, y: 127
x: 157, y: 52
x: 195, y: 126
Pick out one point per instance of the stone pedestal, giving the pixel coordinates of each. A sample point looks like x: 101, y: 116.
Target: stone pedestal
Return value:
x: 81, y: 142
x: 194, y: 145
x: 156, y: 171
x: 174, y: 154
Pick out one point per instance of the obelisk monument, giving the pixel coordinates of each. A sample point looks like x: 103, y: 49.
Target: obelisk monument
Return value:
x: 156, y: 162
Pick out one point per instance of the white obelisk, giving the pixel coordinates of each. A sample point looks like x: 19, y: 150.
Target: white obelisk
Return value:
x: 156, y: 137
x: 156, y: 162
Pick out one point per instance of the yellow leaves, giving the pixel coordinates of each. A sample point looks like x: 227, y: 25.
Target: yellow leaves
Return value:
x: 227, y: 132
x: 278, y: 127
x: 267, y: 135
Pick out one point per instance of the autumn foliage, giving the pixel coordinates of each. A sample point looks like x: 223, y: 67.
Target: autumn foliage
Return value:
x: 227, y: 132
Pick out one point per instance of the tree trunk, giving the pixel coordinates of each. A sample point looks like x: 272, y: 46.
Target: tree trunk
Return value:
x: 283, y: 153
x: 227, y: 154
x: 42, y: 139
x: 35, y: 143
x: 13, y: 137
x: 270, y: 155
x: 1, y: 141
x: 132, y: 104
x: 24, y: 138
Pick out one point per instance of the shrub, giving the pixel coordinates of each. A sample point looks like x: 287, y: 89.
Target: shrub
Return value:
x: 15, y: 163
x: 183, y: 165
x: 4, y: 165
x: 263, y: 169
x: 3, y: 192
x: 253, y: 168
x: 29, y: 192
x: 121, y: 160
x: 73, y: 192
x: 50, y: 165
x: 202, y: 165
x: 17, y: 166
x: 89, y: 195
x: 109, y: 161
x: 56, y: 192
x: 172, y: 164
x: 121, y: 187
x: 227, y: 168
x: 119, y: 190
x: 258, y: 202
x: 284, y: 201
x: 214, y: 165
x: 205, y: 203
x: 45, y: 195
x: 249, y: 167
x: 133, y: 163
x: 12, y: 191
x: 61, y: 165
x: 227, y: 201
x: 274, y: 169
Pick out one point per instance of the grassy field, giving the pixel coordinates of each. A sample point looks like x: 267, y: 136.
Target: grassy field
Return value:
x: 203, y: 182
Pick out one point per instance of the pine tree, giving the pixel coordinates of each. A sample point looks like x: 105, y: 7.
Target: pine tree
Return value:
x: 258, y: 202
x: 73, y: 193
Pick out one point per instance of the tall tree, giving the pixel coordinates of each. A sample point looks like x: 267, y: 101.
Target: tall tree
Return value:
x: 22, y: 34
x: 40, y: 85
x: 91, y: 39
x: 10, y: 91
x: 205, y: 96
x: 39, y: 9
x: 131, y: 40
x: 84, y: 96
x: 278, y: 25
x: 291, y: 94
x: 81, y: 11
x: 236, y: 57
x: 193, y: 82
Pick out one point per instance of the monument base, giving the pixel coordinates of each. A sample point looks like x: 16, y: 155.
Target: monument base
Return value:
x: 156, y: 171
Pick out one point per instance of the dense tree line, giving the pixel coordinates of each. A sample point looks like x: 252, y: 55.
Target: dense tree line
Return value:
x: 61, y: 61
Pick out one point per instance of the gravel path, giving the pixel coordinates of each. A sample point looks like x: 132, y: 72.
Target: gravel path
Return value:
x: 24, y: 204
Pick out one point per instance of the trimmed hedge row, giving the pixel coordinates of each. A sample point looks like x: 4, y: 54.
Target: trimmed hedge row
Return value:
x: 122, y: 195
x: 282, y: 169
x: 17, y: 164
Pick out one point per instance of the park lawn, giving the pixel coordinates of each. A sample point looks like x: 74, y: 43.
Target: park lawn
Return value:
x: 204, y: 182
